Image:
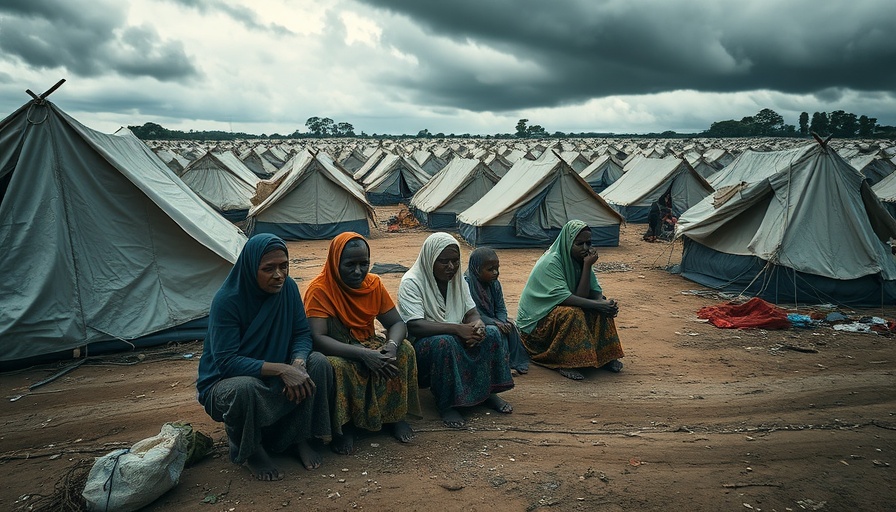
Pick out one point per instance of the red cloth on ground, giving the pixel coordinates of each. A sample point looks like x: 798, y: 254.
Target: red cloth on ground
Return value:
x: 755, y: 313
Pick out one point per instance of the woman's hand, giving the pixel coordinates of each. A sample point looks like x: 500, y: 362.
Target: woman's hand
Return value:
x: 590, y: 258
x: 471, y: 334
x: 608, y: 307
x: 379, y: 362
x: 390, y: 348
x: 297, y: 384
x: 504, y: 327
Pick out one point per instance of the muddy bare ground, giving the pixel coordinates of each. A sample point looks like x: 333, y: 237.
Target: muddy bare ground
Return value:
x: 700, y: 418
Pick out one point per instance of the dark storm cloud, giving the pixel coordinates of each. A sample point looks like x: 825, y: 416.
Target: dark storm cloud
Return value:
x: 593, y: 48
x: 238, y: 13
x: 45, y: 34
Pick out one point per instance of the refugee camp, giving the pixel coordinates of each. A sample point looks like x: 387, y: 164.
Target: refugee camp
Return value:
x: 361, y: 255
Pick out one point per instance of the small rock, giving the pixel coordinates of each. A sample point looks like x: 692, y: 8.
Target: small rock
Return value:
x: 452, y: 486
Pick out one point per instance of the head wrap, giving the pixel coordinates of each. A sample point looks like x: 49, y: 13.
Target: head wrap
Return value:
x: 247, y: 325
x: 482, y: 293
x: 328, y: 297
x: 418, y: 294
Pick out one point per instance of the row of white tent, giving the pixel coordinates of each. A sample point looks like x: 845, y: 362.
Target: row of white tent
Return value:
x: 106, y: 247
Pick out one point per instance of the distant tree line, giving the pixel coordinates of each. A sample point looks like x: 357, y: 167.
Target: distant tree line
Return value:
x: 766, y: 123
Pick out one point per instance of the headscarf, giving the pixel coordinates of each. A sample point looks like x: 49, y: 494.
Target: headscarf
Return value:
x: 553, y: 279
x: 485, y: 295
x: 328, y: 297
x: 248, y: 326
x: 418, y: 292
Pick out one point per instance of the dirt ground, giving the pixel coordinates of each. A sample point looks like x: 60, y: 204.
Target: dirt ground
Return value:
x: 699, y: 419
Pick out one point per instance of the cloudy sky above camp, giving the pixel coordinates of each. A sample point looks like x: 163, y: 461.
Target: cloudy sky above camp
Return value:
x: 460, y: 66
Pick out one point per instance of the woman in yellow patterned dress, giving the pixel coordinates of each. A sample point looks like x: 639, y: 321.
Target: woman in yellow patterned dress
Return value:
x: 375, y: 377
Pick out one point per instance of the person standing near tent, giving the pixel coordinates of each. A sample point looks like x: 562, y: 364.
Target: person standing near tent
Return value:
x: 257, y: 373
x: 461, y: 360
x: 566, y: 321
x: 659, y: 216
x: 482, y: 277
x: 375, y: 377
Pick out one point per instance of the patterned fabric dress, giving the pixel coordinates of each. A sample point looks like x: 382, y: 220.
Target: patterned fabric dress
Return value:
x: 362, y: 397
x: 573, y: 338
x: 459, y: 376
x: 562, y: 336
x: 366, y: 399
x: 456, y: 375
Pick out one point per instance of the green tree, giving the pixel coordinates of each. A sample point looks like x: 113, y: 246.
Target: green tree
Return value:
x: 843, y: 124
x: 424, y: 134
x: 314, y: 125
x: 521, y: 130
x: 327, y: 127
x: 866, y: 126
x: 730, y: 128
x: 804, y: 124
x: 536, y: 131
x: 768, y: 122
x: 820, y: 124
x: 345, y: 130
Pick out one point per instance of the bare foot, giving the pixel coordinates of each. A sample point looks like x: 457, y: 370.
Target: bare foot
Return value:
x: 499, y: 404
x: 344, y: 444
x: 402, y: 431
x: 571, y: 374
x: 452, y: 418
x: 262, y: 467
x: 310, y: 458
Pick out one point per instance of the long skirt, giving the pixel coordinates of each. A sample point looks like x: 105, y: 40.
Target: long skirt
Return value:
x: 460, y: 376
x: 256, y: 412
x: 571, y: 337
x: 366, y: 399
x: 516, y: 352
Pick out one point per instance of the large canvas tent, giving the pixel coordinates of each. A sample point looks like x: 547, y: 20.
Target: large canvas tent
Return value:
x: 314, y: 200
x: 224, y: 182
x: 603, y: 172
x: 532, y: 202
x: 101, y: 241
x: 452, y: 190
x: 643, y: 184
x: 813, y: 232
x: 394, y: 180
x: 258, y: 164
x: 752, y: 166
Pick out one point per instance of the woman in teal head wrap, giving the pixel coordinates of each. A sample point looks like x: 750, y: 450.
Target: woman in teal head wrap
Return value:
x: 257, y: 373
x: 565, y: 320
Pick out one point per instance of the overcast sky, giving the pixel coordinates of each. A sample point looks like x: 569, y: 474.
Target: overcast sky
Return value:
x: 451, y: 66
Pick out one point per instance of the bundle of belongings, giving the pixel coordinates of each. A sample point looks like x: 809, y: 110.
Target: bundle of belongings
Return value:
x: 753, y: 314
x: 131, y: 478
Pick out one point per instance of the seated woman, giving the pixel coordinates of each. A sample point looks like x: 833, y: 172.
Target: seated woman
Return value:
x: 482, y: 277
x: 565, y: 319
x: 375, y: 378
x: 257, y: 373
x: 459, y: 358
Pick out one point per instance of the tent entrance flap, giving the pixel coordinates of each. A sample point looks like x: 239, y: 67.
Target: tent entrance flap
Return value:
x: 529, y: 220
